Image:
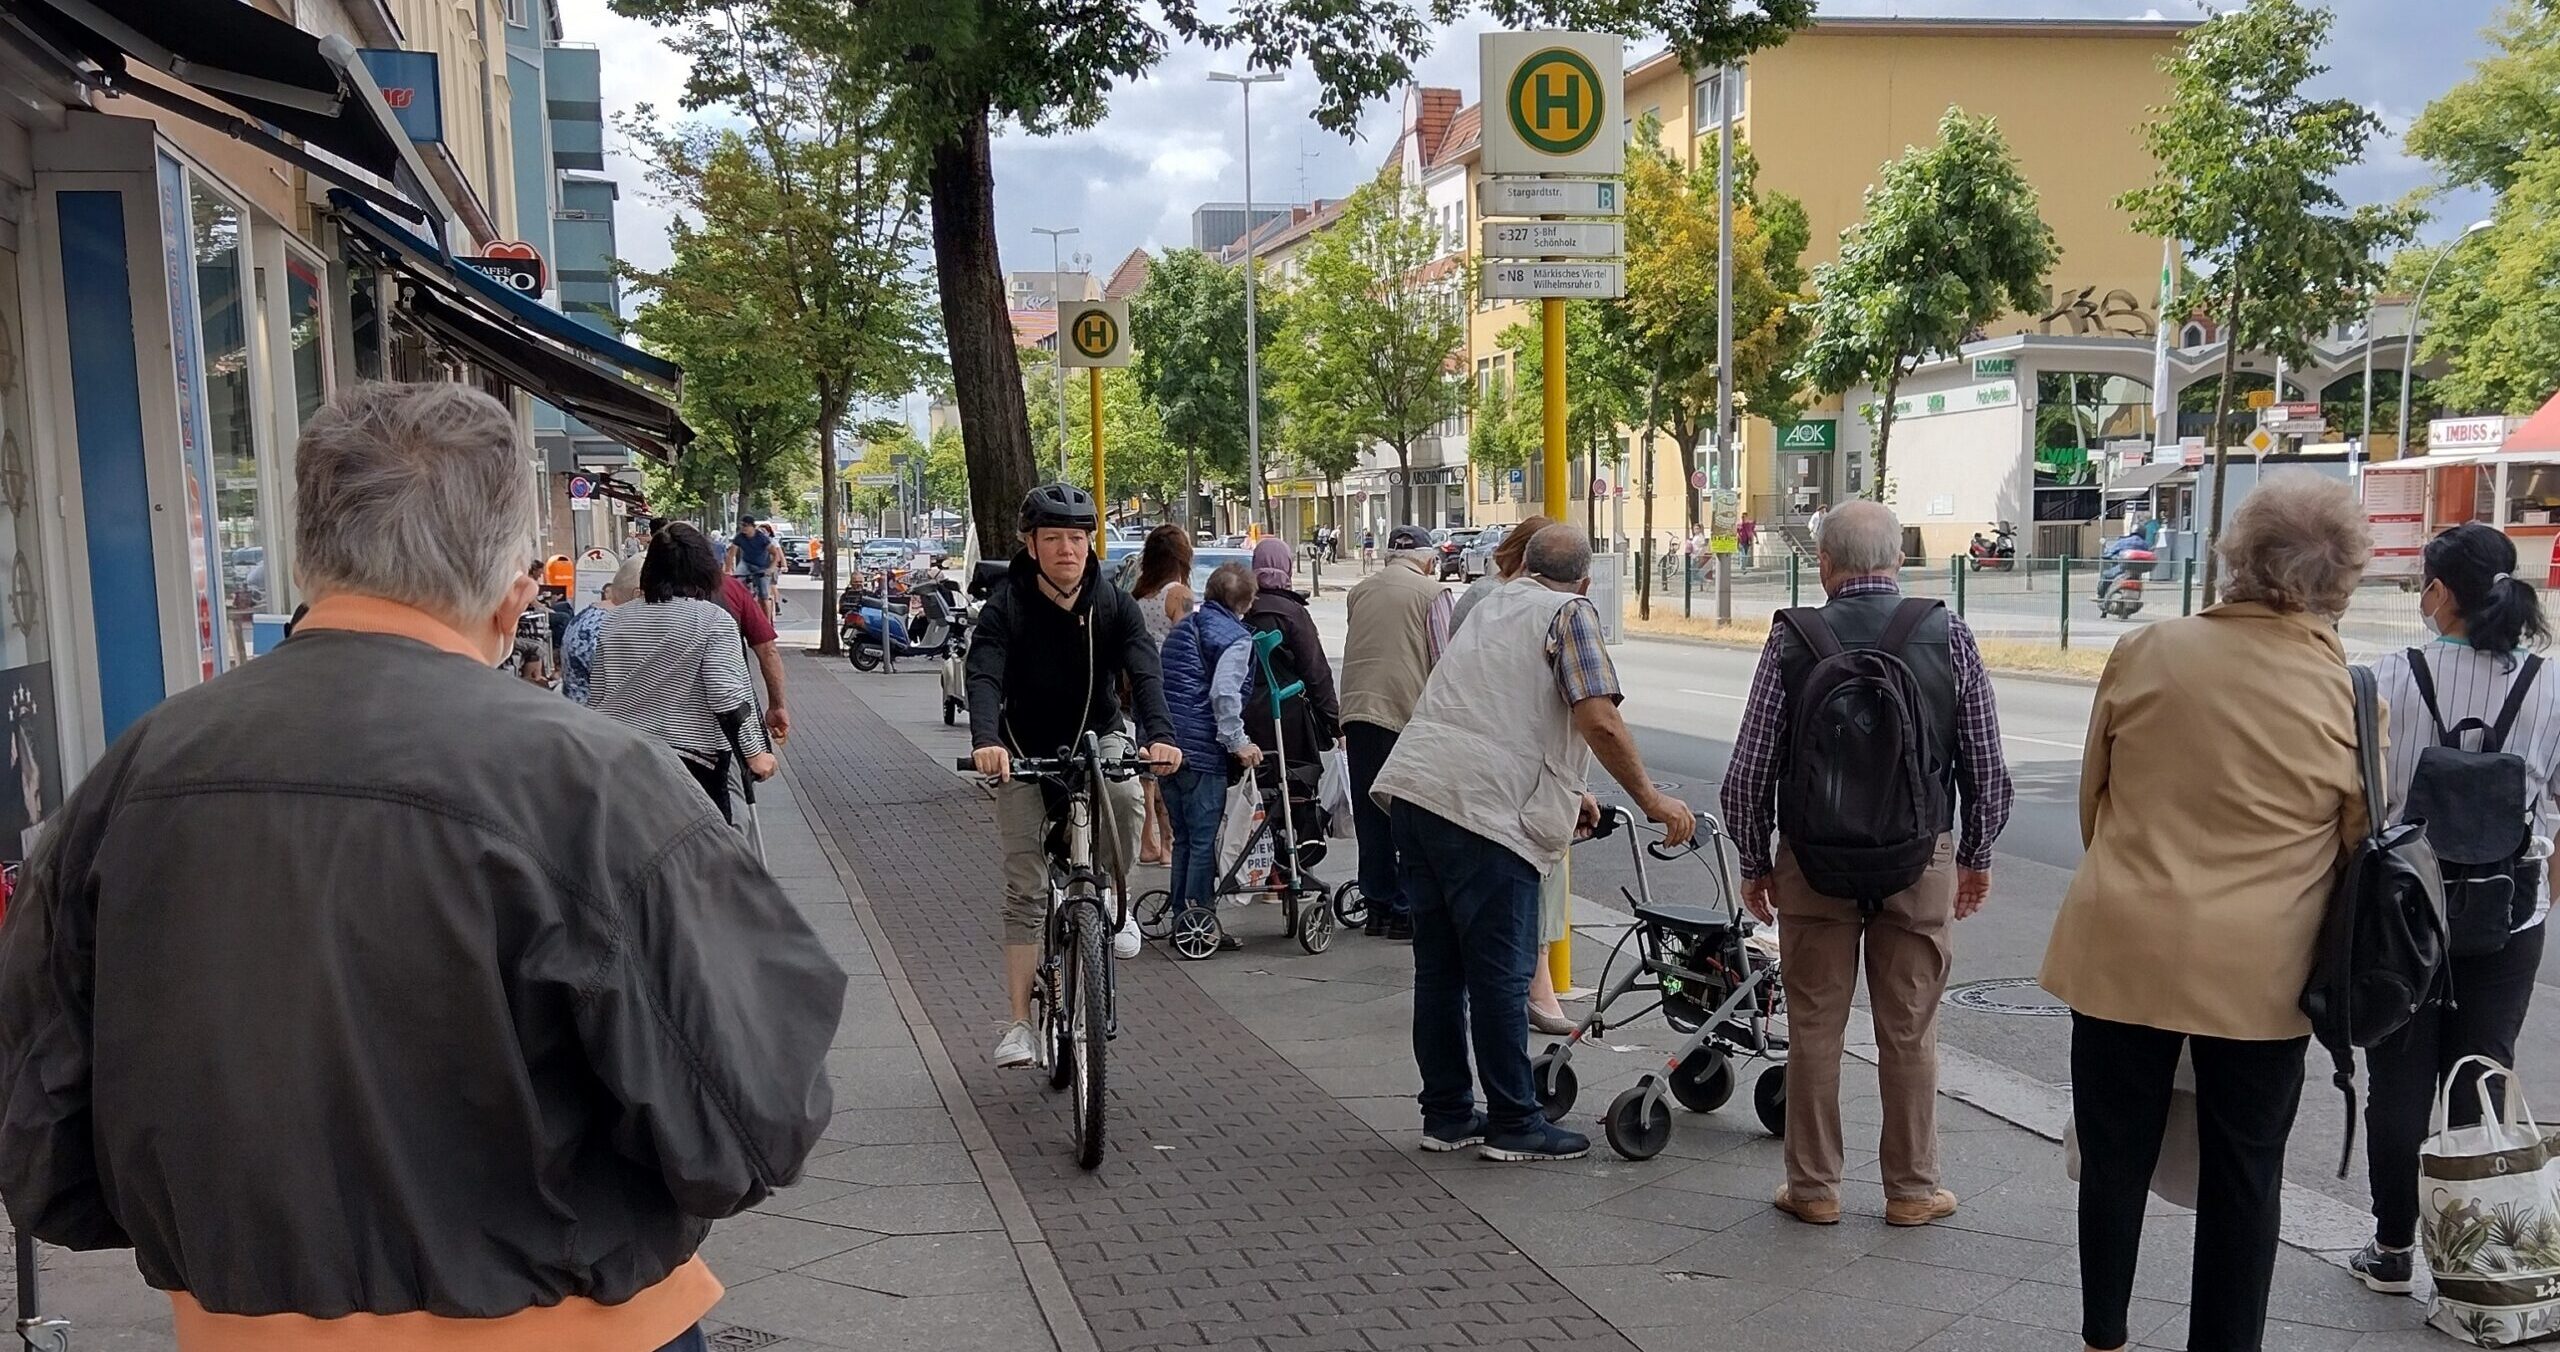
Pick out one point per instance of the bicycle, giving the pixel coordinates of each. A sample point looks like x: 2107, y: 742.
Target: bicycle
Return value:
x: 1073, y: 993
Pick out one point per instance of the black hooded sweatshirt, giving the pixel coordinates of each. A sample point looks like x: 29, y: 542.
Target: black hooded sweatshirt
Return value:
x: 1041, y: 674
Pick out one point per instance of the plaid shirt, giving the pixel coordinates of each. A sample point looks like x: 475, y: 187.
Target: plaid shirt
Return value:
x: 1580, y: 657
x: 1982, y: 774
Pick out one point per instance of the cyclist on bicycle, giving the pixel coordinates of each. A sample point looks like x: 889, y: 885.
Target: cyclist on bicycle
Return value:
x: 1076, y: 637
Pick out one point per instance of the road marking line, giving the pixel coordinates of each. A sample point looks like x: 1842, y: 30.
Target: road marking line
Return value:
x: 2040, y: 741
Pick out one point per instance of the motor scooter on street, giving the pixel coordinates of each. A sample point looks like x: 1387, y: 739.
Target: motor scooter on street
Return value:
x: 2129, y: 561
x: 1997, y: 552
x: 931, y: 620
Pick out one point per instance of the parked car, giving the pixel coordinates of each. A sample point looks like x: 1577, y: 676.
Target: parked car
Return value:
x: 795, y: 553
x: 1452, y: 542
x: 1477, y: 559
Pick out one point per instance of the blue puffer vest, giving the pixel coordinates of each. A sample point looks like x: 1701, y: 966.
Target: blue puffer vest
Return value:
x: 1191, y: 654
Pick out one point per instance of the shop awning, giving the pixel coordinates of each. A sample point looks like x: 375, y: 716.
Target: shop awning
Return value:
x: 2141, y: 479
x: 2540, y: 433
x: 611, y: 386
x: 261, y: 65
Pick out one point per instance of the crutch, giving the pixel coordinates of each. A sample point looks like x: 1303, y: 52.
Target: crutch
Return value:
x: 734, y: 724
x: 35, y: 1332
x: 1265, y: 643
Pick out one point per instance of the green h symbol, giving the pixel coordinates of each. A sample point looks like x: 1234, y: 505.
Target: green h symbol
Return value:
x: 1567, y: 100
x: 1094, y: 334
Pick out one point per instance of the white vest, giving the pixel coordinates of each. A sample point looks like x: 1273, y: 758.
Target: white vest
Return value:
x: 1491, y: 746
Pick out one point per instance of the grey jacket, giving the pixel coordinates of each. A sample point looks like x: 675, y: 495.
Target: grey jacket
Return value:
x: 366, y: 979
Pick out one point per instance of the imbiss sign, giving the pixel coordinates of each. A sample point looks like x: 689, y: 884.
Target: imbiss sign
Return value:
x: 2470, y: 434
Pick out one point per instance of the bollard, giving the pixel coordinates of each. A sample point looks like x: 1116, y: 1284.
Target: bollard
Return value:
x: 1315, y: 573
x: 2065, y: 589
x: 1955, y: 570
x: 2187, y: 598
x: 1560, y: 953
x: 1795, y: 579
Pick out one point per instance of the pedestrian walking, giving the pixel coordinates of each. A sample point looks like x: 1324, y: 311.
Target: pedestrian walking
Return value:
x: 1859, y: 869
x: 578, y: 646
x: 2477, y: 689
x: 1163, y: 594
x: 751, y: 559
x: 1398, y: 621
x: 357, y: 1034
x: 1368, y: 549
x: 755, y: 627
x: 1509, y: 562
x: 673, y: 666
x: 1746, y: 532
x: 1314, y: 723
x: 1813, y: 525
x: 1208, y: 663
x: 1485, y: 790
x: 2219, y: 792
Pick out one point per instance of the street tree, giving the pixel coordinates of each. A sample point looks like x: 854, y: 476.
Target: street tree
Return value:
x: 1139, y: 460
x: 2483, y: 132
x: 961, y: 72
x: 1187, y: 325
x: 1602, y: 389
x: 815, y: 201
x: 2246, y: 161
x: 745, y: 393
x: 1952, y: 239
x: 1375, y: 315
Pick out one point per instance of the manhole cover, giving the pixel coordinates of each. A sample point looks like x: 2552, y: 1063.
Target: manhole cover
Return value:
x: 737, y: 1339
x: 2008, y: 995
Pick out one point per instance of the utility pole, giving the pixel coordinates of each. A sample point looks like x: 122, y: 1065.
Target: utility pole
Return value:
x: 1058, y: 305
x: 1252, y: 355
x: 1726, y: 467
x: 2417, y: 306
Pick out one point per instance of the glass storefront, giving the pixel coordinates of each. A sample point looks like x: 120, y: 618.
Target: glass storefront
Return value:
x: 305, y: 316
x: 212, y: 304
x: 33, y: 787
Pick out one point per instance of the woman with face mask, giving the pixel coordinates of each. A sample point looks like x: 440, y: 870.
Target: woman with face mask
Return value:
x: 2483, y: 619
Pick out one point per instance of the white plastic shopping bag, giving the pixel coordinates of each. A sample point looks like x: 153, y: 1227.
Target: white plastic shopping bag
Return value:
x: 2173, y: 1175
x: 1236, y: 832
x: 2489, y: 1216
x: 1335, y: 792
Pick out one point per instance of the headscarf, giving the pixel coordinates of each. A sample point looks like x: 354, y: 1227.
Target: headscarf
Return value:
x: 1274, y: 563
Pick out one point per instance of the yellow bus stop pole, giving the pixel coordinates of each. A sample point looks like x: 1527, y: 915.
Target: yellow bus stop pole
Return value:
x: 1551, y: 322
x: 1096, y: 386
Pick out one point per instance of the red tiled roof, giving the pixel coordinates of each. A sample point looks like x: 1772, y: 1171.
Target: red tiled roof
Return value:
x: 1127, y: 278
x: 1466, y: 132
x: 1439, y: 106
x: 1031, y: 328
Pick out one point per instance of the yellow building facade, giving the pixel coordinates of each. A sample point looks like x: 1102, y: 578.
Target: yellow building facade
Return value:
x: 1824, y: 112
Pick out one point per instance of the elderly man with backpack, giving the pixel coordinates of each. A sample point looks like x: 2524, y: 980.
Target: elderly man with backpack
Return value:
x: 1869, y: 740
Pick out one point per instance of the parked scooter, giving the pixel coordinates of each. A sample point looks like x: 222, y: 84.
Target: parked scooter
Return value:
x: 1997, y: 552
x: 2129, y: 561
x: 929, y: 621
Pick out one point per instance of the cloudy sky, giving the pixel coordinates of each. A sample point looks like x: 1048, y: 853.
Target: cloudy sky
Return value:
x: 1174, y: 140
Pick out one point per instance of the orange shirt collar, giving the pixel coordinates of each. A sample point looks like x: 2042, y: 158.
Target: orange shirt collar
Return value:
x: 375, y: 615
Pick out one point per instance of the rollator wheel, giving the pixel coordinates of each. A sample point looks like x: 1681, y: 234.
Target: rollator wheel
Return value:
x: 1703, y: 1081
x: 1350, y: 906
x: 1769, y: 1097
x: 1155, y: 913
x: 1195, y: 933
x: 1638, y: 1124
x: 1555, y: 1081
x: 950, y: 711
x: 1315, y: 925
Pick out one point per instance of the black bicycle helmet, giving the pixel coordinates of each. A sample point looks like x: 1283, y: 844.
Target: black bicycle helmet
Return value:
x: 1058, y: 505
x: 1408, y: 537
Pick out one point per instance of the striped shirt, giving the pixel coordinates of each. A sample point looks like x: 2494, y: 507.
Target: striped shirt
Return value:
x: 2474, y: 684
x: 670, y: 669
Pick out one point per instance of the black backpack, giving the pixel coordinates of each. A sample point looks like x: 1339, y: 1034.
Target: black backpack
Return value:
x: 1862, y: 802
x: 2478, y: 807
x: 2381, y: 952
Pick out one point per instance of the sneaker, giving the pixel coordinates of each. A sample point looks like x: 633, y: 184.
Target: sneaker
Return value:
x: 1547, y: 1142
x: 2381, y: 1269
x: 1228, y: 943
x: 1400, y: 929
x: 1376, y: 925
x: 1126, y: 943
x: 1439, y: 1139
x: 1824, y: 1212
x: 1937, y: 1206
x: 1014, y: 1048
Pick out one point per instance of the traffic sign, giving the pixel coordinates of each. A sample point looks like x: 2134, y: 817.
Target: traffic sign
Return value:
x: 2261, y: 398
x: 2293, y: 420
x: 1549, y: 197
x: 876, y: 480
x: 1553, y: 102
x: 1551, y: 239
x: 1537, y: 281
x: 581, y: 487
x: 2260, y: 441
x: 1697, y: 478
x: 1093, y: 333
x: 1600, y: 487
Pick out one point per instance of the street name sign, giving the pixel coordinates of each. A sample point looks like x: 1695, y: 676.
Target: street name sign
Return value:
x: 1094, y: 333
x: 1550, y: 197
x: 1565, y: 281
x: 1551, y: 239
x: 1553, y: 103
x: 876, y: 480
x: 2293, y: 420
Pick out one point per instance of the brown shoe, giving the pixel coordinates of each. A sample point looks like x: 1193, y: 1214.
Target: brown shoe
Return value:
x: 1825, y: 1212
x: 1937, y: 1206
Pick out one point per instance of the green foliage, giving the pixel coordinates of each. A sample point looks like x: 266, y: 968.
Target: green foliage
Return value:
x: 2482, y: 131
x: 1187, y: 324
x: 1139, y: 459
x: 748, y: 398
x: 1371, y: 324
x: 1603, y: 387
x: 1953, y: 238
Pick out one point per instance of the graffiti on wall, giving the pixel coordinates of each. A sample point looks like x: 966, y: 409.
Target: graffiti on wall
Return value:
x: 2085, y: 312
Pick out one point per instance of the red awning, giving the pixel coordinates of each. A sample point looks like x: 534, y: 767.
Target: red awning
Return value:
x: 2540, y: 433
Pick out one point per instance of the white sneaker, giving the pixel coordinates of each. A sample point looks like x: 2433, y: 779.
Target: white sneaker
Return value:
x: 1014, y: 1048
x: 1124, y: 945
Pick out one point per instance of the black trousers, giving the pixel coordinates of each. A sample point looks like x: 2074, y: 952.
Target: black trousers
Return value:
x: 714, y: 779
x: 2489, y: 998
x: 1365, y: 748
x: 2246, y: 1093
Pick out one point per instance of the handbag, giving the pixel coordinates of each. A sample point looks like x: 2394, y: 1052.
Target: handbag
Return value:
x: 2173, y: 1175
x: 1334, y: 790
x: 2489, y: 1216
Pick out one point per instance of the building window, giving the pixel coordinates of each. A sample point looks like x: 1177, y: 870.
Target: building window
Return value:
x: 515, y: 13
x: 218, y: 397
x: 1711, y: 91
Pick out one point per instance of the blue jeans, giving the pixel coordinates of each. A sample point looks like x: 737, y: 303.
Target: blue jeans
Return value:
x: 1475, y: 943
x: 688, y: 1341
x: 1365, y: 748
x: 1193, y: 801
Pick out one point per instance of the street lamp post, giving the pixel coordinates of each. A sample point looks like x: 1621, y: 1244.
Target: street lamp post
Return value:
x: 2417, y: 306
x: 1252, y: 357
x: 1058, y: 303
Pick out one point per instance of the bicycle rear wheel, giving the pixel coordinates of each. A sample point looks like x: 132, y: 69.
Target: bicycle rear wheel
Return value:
x: 1088, y: 996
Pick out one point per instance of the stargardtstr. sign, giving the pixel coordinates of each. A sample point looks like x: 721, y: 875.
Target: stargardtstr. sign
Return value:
x: 1094, y: 333
x: 1560, y: 106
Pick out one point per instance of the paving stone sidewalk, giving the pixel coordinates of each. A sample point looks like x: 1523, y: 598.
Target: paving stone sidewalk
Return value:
x: 1263, y: 1192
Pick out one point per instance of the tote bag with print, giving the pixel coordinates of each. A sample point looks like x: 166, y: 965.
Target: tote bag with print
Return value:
x: 2489, y: 1216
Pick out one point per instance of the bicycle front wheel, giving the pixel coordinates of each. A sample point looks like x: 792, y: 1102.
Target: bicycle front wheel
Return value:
x: 1088, y: 994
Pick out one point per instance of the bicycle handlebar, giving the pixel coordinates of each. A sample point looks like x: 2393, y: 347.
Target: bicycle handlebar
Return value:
x: 1066, y: 767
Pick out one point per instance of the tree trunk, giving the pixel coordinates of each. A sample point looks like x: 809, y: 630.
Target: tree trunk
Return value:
x: 1404, y: 487
x: 1884, y: 433
x: 1191, y: 489
x: 829, y: 572
x: 747, y: 484
x: 1644, y: 562
x: 986, y: 375
x: 2222, y: 437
